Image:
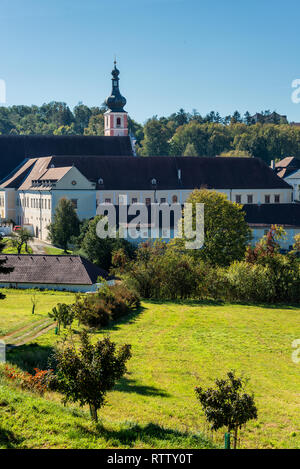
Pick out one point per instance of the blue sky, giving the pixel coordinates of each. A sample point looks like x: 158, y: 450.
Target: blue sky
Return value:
x: 217, y: 55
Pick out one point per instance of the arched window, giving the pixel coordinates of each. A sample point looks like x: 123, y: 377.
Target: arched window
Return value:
x: 118, y: 121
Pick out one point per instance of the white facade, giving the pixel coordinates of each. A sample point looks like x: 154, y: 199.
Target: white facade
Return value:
x: 35, y: 207
x: 294, y: 180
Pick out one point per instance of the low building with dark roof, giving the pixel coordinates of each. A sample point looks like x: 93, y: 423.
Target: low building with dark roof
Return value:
x: 62, y: 272
x: 260, y: 218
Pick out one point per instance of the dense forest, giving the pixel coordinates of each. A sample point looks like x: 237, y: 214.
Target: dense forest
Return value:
x: 188, y: 134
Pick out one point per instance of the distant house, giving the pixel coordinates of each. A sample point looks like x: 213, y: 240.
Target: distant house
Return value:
x: 71, y: 273
x: 289, y: 170
x: 260, y: 218
x: 271, y: 118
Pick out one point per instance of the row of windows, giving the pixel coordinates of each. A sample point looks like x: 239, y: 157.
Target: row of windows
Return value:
x: 163, y: 200
x: 134, y: 200
x: 34, y: 203
x: 238, y: 199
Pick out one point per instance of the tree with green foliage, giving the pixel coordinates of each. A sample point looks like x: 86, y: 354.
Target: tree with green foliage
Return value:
x: 99, y: 250
x: 226, y: 232
x: 63, y: 314
x: 156, y: 138
x: 65, y: 224
x: 22, y: 237
x: 227, y: 405
x: 87, y: 374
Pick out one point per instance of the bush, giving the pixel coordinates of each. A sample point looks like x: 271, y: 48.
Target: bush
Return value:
x: 251, y: 283
x: 36, y: 383
x: 109, y: 303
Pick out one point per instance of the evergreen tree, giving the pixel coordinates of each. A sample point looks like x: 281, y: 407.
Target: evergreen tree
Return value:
x: 65, y: 224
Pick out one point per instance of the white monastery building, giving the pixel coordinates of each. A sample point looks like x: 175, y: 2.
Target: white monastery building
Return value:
x: 94, y: 170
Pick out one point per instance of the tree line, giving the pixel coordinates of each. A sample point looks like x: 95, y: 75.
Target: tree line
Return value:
x: 268, y: 136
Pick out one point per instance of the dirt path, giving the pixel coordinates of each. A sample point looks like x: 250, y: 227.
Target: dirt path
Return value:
x: 43, y: 331
x: 23, y: 328
x: 38, y: 328
x: 31, y: 332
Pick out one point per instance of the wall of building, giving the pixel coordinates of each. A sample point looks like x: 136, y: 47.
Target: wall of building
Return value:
x: 295, y: 183
x: 60, y: 287
x: 258, y: 195
x: 286, y: 243
x: 8, y: 204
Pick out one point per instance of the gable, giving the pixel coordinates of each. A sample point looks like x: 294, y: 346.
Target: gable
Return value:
x: 74, y: 179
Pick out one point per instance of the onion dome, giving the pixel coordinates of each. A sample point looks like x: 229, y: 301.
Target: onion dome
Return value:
x: 115, y: 102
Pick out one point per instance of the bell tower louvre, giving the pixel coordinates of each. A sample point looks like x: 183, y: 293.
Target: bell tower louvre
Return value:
x: 115, y: 118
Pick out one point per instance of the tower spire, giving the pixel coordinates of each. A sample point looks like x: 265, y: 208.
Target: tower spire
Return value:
x: 115, y: 122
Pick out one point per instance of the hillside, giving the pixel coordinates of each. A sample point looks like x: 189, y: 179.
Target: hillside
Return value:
x: 175, y: 347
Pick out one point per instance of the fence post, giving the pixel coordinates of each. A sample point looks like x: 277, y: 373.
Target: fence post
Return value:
x: 227, y: 440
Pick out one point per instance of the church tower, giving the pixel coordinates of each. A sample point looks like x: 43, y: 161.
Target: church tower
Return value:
x: 115, y: 118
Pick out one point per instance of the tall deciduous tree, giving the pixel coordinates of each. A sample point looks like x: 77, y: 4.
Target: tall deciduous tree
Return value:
x: 226, y: 233
x: 65, y: 224
x: 98, y: 250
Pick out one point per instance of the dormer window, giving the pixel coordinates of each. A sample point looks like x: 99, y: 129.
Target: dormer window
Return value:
x: 153, y: 182
x: 100, y: 181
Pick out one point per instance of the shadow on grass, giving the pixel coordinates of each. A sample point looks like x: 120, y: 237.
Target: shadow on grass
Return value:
x: 130, y: 386
x: 149, y: 434
x: 212, y: 302
x: 128, y: 319
x: 30, y: 356
x: 8, y: 440
x: 187, y: 302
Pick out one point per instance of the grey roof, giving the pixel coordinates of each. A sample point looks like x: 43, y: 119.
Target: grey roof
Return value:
x: 15, y: 148
x: 295, y: 175
x: 127, y: 173
x: 47, y: 269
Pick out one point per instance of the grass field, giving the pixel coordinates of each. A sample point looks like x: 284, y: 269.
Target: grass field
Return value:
x: 55, y: 251
x: 16, y: 308
x: 10, y: 249
x: 175, y: 347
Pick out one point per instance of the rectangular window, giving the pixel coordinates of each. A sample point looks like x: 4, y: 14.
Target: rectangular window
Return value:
x: 74, y: 202
x: 174, y: 199
x: 108, y: 201
x: 163, y: 200
x: 277, y: 198
x: 134, y: 200
x: 238, y: 199
x: 267, y: 199
x: 49, y: 204
x: 250, y: 199
x: 148, y: 201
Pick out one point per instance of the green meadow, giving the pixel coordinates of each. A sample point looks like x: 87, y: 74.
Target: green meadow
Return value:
x: 175, y: 347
